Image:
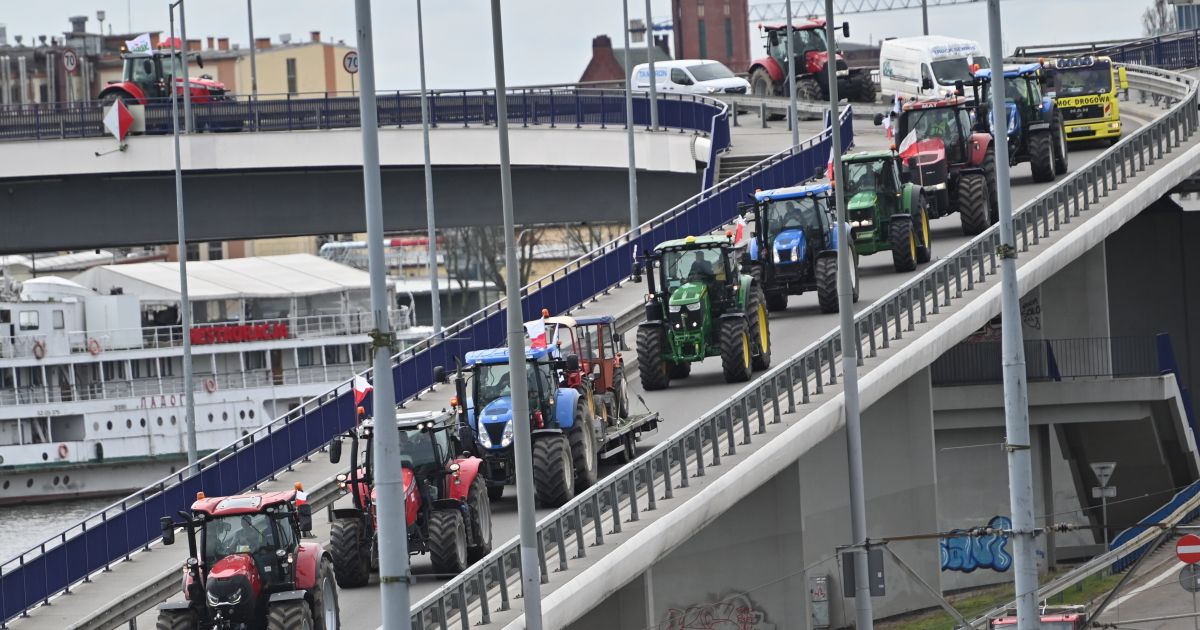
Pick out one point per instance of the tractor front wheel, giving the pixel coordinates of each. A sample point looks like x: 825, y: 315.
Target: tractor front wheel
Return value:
x: 351, y: 552
x: 1060, y: 146
x: 583, y: 446
x: 652, y: 365
x: 735, y: 350
x: 862, y: 88
x: 989, y: 172
x: 292, y: 614
x: 904, y: 244
x: 679, y: 369
x: 826, y: 276
x: 760, y: 330
x: 1041, y: 156
x: 973, y: 203
x: 553, y: 472
x: 177, y: 619
x: 325, y: 610
x: 924, y: 240
x: 481, y: 519
x: 447, y: 542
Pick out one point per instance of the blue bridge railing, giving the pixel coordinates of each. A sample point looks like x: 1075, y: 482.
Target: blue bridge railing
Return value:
x: 115, y: 532
x: 1173, y: 51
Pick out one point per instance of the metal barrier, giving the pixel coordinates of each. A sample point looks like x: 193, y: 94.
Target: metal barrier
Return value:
x: 1174, y: 51
x: 975, y: 362
x: 579, y: 525
x: 109, y: 535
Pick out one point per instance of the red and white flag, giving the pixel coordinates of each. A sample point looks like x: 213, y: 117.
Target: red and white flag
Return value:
x: 908, y: 147
x: 537, y: 334
x: 301, y: 495
x: 739, y: 231
x: 829, y: 165
x: 361, y: 389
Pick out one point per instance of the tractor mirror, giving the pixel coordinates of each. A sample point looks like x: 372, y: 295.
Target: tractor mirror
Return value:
x: 439, y: 374
x: 845, y: 29
x: 168, y: 530
x: 878, y: 120
x: 572, y: 362
x: 335, y: 451
x: 199, y: 61
x: 304, y: 512
x: 959, y: 89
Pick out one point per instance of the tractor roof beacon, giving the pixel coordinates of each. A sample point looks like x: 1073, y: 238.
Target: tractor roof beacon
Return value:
x: 447, y: 511
x: 248, y: 567
x: 1036, y: 131
x: 793, y: 245
x: 884, y: 212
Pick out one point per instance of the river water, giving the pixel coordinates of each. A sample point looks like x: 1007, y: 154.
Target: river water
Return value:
x: 27, y: 525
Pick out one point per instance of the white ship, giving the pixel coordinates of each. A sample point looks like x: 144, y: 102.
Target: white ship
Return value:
x: 91, y: 387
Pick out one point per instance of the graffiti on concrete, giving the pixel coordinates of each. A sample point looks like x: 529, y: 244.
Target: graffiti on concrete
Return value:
x: 967, y: 553
x: 736, y: 612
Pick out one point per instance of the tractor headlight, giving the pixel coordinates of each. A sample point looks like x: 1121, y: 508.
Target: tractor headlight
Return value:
x: 674, y: 308
x: 796, y: 252
x: 507, y: 438
x: 694, y: 306
x: 775, y: 255
x: 484, y: 440
x: 212, y: 600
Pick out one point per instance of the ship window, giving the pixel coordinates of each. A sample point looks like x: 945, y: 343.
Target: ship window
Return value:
x: 28, y: 320
x: 109, y: 425
x: 251, y: 414
x: 128, y: 423
x: 256, y: 360
x: 59, y: 321
x: 5, y: 317
x: 358, y: 352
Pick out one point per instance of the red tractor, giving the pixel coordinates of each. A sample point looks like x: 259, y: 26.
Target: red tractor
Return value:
x: 768, y: 75
x: 146, y: 77
x: 446, y: 502
x: 249, y: 568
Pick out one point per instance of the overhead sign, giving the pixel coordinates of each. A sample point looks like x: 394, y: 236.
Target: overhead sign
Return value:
x: 118, y: 120
x: 1104, y: 471
x: 70, y: 60
x: 1189, y: 578
x: 350, y: 62
x: 1188, y: 549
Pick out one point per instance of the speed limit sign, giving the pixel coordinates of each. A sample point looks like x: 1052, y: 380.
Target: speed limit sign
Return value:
x: 350, y: 62
x: 70, y: 60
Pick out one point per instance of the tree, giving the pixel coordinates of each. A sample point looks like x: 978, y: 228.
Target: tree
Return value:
x: 1159, y: 19
x: 477, y: 253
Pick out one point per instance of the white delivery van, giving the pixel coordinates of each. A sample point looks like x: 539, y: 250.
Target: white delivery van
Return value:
x: 926, y: 66
x: 689, y: 76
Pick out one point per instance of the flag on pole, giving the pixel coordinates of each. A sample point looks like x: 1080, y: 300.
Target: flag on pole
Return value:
x: 908, y: 147
x: 889, y: 120
x: 537, y: 334
x: 139, y: 44
x: 361, y: 389
x: 829, y: 164
x: 301, y: 495
x: 739, y: 231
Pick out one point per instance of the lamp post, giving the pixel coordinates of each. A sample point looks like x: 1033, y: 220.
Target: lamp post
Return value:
x: 185, y: 304
x: 791, y: 81
x: 531, y: 574
x: 253, y: 65
x: 633, y: 197
x: 430, y: 218
x: 653, y: 76
x: 389, y: 486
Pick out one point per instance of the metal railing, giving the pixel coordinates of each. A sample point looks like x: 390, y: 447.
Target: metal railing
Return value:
x: 1173, y: 51
x: 580, y: 525
x: 976, y: 362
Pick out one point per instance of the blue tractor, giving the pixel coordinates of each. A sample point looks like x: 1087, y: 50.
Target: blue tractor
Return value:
x: 1035, y: 126
x: 561, y: 422
x: 793, y: 248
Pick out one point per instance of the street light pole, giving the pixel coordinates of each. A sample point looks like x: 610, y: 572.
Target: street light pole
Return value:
x: 187, y: 82
x: 185, y: 304
x: 653, y: 76
x: 393, y: 537
x: 633, y: 196
x: 253, y: 65
x: 531, y: 574
x: 791, y: 81
x: 1016, y: 403
x: 430, y: 219
x: 845, y: 284
x: 925, y: 15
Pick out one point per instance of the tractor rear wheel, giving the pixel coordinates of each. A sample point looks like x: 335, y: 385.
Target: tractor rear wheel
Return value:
x: 1060, y: 146
x: 652, y: 365
x: 735, y: 350
x: 924, y: 240
x: 177, y: 619
x: 448, y: 541
x: 760, y: 330
x: 762, y: 85
x: 901, y: 235
x: 679, y: 369
x: 351, y: 552
x: 553, y: 473
x: 583, y: 446
x: 325, y: 610
x: 1041, y: 156
x: 293, y: 614
x: 862, y: 88
x: 826, y: 276
x: 973, y: 203
x: 481, y: 519
x: 989, y: 172
x: 807, y: 89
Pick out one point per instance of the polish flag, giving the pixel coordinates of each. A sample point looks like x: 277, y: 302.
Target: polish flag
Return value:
x: 361, y: 389
x: 301, y: 495
x: 537, y: 334
x: 829, y: 165
x: 908, y: 147
x: 739, y: 231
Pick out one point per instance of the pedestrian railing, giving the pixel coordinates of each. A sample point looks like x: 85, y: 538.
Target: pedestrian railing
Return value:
x: 978, y: 361
x: 633, y: 492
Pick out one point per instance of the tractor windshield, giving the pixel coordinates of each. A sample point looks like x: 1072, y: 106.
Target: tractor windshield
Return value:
x: 242, y: 533
x: 681, y: 266
x: 417, y: 448
x: 809, y: 39
x: 492, y: 382
x: 140, y: 70
x: 943, y: 123
x: 792, y: 214
x: 865, y: 177
x: 1095, y: 79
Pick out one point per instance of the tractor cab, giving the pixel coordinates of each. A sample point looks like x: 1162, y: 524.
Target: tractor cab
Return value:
x: 1036, y: 131
x: 934, y: 131
x: 491, y: 392
x: 793, y: 224
x: 148, y: 75
x: 809, y: 45
x: 1022, y: 94
x: 152, y: 72
x: 695, y: 273
x: 595, y: 342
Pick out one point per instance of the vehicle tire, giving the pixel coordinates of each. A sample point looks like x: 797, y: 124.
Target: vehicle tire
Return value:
x: 762, y: 85
x: 113, y: 97
x: 553, y: 472
x: 583, y: 447
x: 854, y: 273
x: 177, y: 619
x: 447, y: 542
x: 652, y: 365
x: 760, y: 330
x: 326, y: 612
x: 1060, y: 146
x: 989, y: 172
x: 807, y: 89
x: 681, y: 369
x: 924, y: 239
x: 973, y: 203
x: 1041, y: 156
x: 351, y: 552
x: 777, y: 302
x: 621, y: 393
x: 481, y: 519
x: 495, y: 493
x: 735, y: 350
x: 904, y: 244
x: 862, y: 88
x: 826, y: 276
x: 292, y: 614
x: 628, y: 449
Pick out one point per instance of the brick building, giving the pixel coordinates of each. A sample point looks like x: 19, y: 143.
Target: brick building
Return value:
x: 608, y: 63
x: 713, y: 29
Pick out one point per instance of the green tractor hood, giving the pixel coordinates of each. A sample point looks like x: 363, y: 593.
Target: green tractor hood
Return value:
x: 688, y: 293
x: 865, y: 200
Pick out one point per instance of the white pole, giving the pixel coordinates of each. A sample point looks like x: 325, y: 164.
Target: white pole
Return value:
x: 187, y: 83
x: 185, y: 304
x: 650, y: 54
x: 435, y: 296
x: 633, y: 196
x: 793, y: 117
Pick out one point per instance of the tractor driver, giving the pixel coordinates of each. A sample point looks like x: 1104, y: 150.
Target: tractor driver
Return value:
x: 700, y: 269
x: 248, y: 538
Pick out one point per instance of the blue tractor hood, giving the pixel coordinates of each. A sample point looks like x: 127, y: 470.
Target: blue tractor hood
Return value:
x: 786, y: 240
x: 1014, y: 117
x: 498, y: 411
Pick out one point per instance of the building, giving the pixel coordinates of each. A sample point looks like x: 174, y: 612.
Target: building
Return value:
x: 608, y: 63
x: 713, y: 29
x: 1187, y: 14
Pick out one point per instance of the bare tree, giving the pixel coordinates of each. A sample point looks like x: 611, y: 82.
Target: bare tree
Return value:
x: 585, y: 237
x: 1159, y: 19
x: 481, y: 248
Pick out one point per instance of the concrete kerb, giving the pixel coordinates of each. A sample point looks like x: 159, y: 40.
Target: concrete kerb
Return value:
x: 617, y: 568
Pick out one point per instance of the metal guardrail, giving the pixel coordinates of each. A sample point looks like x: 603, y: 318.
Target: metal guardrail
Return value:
x: 975, y: 362
x: 466, y: 600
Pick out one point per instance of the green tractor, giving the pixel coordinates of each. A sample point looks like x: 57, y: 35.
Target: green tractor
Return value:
x: 700, y: 305
x: 885, y: 214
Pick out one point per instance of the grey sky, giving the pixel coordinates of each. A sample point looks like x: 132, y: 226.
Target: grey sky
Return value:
x: 547, y: 41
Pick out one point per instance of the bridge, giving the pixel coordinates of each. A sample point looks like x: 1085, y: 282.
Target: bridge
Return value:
x: 625, y: 552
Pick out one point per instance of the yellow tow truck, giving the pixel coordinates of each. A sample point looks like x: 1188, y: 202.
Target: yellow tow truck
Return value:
x: 1085, y: 90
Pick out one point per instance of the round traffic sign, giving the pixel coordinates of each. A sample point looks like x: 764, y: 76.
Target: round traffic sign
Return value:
x: 350, y: 62
x: 70, y: 59
x: 1188, y: 549
x: 1189, y: 578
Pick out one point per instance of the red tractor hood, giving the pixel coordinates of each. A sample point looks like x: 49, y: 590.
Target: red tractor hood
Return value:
x: 815, y: 61
x: 238, y: 564
x: 412, y: 498
x: 926, y: 151
x: 208, y: 84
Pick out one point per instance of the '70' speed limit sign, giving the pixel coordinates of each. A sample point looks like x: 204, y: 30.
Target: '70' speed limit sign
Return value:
x: 350, y: 62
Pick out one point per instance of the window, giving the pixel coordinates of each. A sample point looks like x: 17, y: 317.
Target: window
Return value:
x: 59, y: 321
x: 215, y: 251
x: 679, y: 77
x: 193, y: 251
x: 256, y: 360
x: 703, y: 36
x: 305, y: 356
x: 291, y: 75
x: 5, y: 317
x: 728, y: 38
x: 28, y: 320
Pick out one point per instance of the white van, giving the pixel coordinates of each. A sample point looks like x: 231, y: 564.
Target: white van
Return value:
x: 926, y: 66
x: 689, y: 76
